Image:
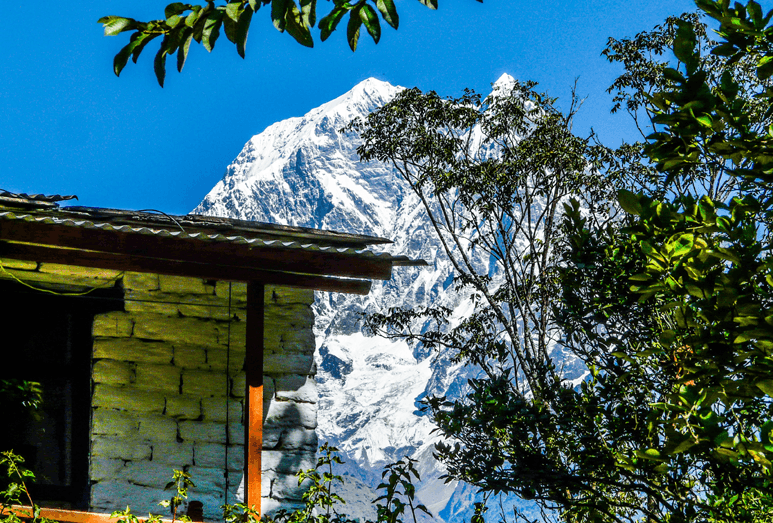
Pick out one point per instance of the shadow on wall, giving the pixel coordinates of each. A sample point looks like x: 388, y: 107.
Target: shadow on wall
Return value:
x: 289, y: 440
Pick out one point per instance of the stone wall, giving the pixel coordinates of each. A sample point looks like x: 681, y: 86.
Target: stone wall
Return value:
x: 169, y: 385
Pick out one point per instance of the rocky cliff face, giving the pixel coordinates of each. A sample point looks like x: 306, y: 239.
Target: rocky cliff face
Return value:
x: 304, y: 172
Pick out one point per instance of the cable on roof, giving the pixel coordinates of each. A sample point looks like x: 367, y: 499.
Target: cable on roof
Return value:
x: 165, y: 214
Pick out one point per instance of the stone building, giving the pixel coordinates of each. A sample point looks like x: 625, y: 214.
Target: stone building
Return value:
x: 166, y: 342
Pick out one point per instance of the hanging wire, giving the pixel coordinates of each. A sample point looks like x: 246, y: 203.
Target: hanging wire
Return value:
x: 14, y: 277
x: 227, y: 392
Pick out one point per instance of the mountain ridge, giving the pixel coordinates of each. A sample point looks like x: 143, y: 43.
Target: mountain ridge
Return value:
x: 302, y: 171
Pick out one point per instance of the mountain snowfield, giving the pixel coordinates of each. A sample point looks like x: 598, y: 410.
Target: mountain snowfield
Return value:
x: 304, y: 172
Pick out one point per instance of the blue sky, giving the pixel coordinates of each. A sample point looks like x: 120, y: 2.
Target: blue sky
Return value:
x: 69, y: 126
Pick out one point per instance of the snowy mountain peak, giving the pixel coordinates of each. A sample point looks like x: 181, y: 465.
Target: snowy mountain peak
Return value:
x: 303, y: 171
x: 504, y: 82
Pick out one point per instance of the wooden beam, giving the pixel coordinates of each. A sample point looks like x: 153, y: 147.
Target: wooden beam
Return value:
x: 124, y: 262
x: 253, y: 425
x: 172, y: 248
x: 70, y: 516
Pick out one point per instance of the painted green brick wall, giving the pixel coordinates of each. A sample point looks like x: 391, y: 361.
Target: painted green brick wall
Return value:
x: 168, y: 387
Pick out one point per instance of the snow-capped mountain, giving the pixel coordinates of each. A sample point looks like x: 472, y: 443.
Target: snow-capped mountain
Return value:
x: 303, y: 171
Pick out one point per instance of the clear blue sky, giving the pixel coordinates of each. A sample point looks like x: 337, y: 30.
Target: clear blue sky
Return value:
x: 69, y: 126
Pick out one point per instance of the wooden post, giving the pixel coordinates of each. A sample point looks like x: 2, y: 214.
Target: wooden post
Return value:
x: 253, y: 426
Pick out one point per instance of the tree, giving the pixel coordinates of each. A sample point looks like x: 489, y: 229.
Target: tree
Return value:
x: 184, y: 23
x: 666, y: 304
x: 493, y: 176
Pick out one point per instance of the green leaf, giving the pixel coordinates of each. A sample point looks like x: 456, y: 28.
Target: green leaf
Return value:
x: 309, y: 12
x: 175, y: 8
x: 765, y: 67
x: 684, y: 46
x: 726, y: 49
x: 182, y: 51
x: 672, y: 74
x: 116, y: 24
x: 233, y: 10
x: 353, y: 28
x: 211, y: 29
x: 296, y: 28
x: 159, y: 64
x: 370, y: 19
x: 142, y: 41
x: 243, y: 29
x: 278, y: 10
x: 766, y: 386
x: 629, y: 202
x: 329, y: 23
x: 389, y: 12
x: 432, y: 4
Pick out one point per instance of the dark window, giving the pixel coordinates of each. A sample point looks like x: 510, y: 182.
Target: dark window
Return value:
x: 46, y: 339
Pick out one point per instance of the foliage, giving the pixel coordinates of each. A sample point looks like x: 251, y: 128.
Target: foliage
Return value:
x: 20, y: 398
x: 184, y: 23
x: 710, y: 261
x: 493, y: 176
x: 181, y: 482
x: 399, y: 477
x: 673, y: 421
x: 319, y: 499
x: 15, y: 492
x: 678, y: 291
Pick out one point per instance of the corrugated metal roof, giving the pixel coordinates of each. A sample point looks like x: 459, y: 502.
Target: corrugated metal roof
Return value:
x: 196, y: 227
x: 37, y: 197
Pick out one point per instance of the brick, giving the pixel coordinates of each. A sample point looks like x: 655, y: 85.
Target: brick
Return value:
x: 288, y: 338
x: 107, y: 496
x: 285, y: 486
x: 114, y: 423
x: 270, y: 507
x: 276, y: 437
x: 183, y: 407
x: 140, y: 281
x: 148, y: 474
x: 190, y: 357
x: 122, y: 398
x: 238, y: 291
x: 188, y: 331
x: 55, y: 282
x: 209, y: 455
x: 81, y: 275
x: 157, y: 428
x: 208, y: 479
x: 287, y: 462
x: 147, y: 302
x: 193, y: 431
x: 165, y: 378
x: 175, y: 454
x: 296, y: 387
x: 282, y: 362
x: 291, y: 414
x: 214, y: 409
x: 104, y: 468
x: 125, y: 449
x: 112, y: 372
x: 219, y: 359
x: 235, y: 434
x: 113, y: 324
x: 18, y: 264
x: 203, y: 306
x: 239, y: 385
x: 204, y: 383
x: 184, y: 285
x: 236, y: 459
x: 133, y: 350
